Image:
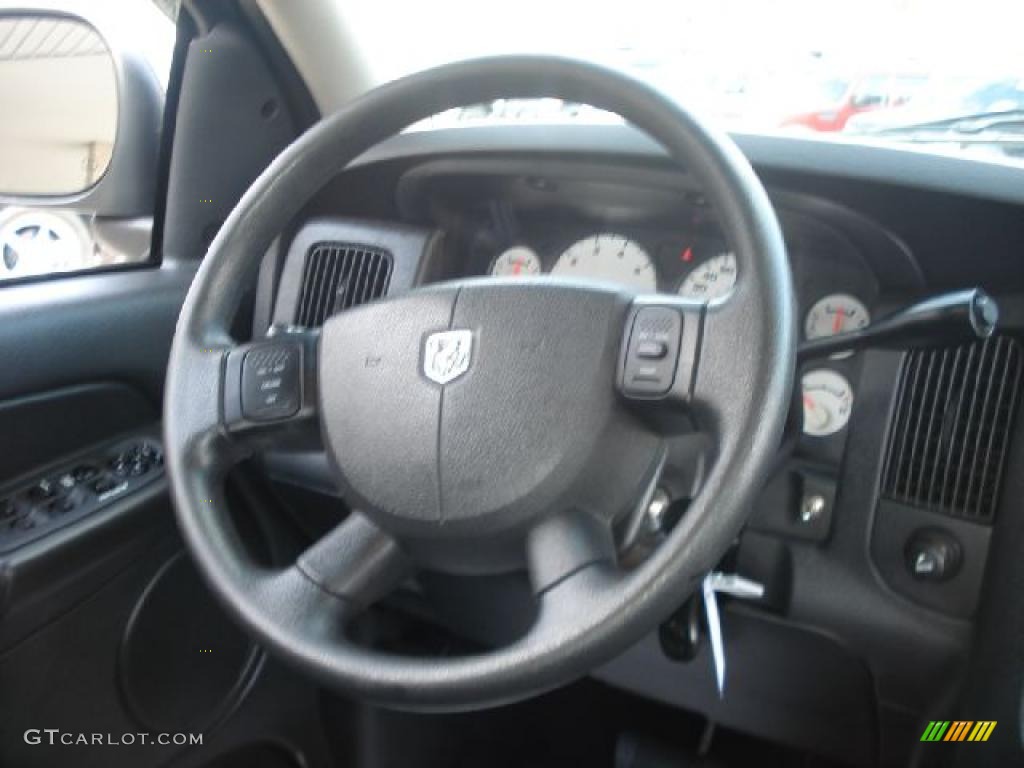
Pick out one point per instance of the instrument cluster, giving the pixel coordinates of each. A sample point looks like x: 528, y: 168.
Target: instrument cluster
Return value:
x: 703, y: 268
x: 696, y: 268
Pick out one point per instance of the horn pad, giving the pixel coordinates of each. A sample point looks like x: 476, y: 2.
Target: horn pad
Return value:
x: 471, y: 409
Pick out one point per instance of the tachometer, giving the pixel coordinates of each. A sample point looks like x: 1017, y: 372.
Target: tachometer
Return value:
x: 609, y: 257
x: 828, y: 400
x: 516, y: 261
x: 712, y: 279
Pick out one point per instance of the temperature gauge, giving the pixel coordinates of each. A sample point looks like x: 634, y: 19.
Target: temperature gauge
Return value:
x: 834, y: 314
x: 828, y: 400
x: 519, y: 260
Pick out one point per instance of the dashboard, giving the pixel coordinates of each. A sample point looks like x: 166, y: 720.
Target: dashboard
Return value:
x: 651, y: 233
x: 841, y: 603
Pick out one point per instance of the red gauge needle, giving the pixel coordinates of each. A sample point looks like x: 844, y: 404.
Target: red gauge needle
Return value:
x: 808, y: 402
x: 837, y: 323
x: 517, y: 267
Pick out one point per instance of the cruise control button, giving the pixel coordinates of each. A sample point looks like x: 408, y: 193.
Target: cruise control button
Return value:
x: 651, y: 350
x: 270, y: 382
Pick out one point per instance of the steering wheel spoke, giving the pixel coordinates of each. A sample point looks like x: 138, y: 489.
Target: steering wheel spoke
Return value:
x: 355, y: 562
x: 724, y: 380
x: 572, y: 565
x: 562, y: 546
x: 269, y: 392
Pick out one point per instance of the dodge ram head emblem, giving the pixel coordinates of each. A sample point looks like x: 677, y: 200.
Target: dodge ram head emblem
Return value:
x: 446, y: 355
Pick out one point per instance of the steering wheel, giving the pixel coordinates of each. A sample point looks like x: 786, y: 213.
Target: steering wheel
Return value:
x: 417, y: 400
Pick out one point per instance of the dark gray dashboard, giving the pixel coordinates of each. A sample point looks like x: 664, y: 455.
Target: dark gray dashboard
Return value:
x: 836, y: 623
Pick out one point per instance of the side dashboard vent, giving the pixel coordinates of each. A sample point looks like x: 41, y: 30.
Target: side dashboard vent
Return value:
x: 952, y: 426
x: 339, y: 276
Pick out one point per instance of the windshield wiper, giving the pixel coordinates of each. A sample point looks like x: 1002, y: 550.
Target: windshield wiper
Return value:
x: 1004, y: 122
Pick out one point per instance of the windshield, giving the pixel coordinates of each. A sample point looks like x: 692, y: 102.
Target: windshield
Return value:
x: 850, y: 70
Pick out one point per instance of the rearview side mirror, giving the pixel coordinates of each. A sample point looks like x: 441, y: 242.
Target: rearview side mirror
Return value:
x: 58, y: 88
x: 82, y: 111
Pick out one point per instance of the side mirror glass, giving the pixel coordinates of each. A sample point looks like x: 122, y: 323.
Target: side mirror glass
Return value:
x: 58, y: 89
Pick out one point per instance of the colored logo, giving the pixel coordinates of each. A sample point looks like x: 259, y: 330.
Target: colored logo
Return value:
x: 958, y: 730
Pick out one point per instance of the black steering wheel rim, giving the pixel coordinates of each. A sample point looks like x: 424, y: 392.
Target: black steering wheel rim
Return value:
x: 742, y: 392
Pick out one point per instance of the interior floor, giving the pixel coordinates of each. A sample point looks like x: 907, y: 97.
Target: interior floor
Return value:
x: 585, y: 724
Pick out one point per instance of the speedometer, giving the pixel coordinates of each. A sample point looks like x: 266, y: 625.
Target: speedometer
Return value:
x: 609, y: 257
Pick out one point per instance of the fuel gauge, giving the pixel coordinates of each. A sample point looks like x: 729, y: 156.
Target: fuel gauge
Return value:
x: 517, y: 261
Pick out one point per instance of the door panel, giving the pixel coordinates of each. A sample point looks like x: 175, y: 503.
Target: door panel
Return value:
x: 36, y: 429
x: 114, y: 326
x: 104, y: 610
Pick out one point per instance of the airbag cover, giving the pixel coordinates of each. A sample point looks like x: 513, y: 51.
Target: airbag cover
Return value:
x: 532, y: 426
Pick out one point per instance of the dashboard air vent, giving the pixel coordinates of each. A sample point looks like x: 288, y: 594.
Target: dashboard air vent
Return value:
x: 952, y: 426
x: 338, y: 276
